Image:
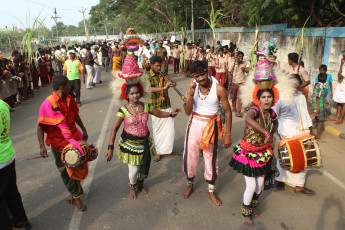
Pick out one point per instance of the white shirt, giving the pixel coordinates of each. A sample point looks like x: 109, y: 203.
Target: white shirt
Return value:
x: 168, y: 50
x: 83, y: 52
x: 58, y: 53
x: 148, y: 53
x: 294, y: 119
x: 206, y: 105
x: 63, y: 51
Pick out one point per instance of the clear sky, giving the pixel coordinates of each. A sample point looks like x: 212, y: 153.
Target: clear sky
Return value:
x: 14, y: 12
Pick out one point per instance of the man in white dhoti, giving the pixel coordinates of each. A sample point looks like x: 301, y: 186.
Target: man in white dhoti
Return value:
x: 163, y: 129
x: 293, y: 121
x: 339, y: 94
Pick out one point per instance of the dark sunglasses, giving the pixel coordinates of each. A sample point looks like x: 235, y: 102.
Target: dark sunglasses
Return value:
x: 199, y: 74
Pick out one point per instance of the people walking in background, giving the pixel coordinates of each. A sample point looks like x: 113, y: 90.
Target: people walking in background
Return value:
x: 295, y: 68
x: 339, y: 94
x: 90, y: 70
x: 221, y: 67
x: 73, y: 69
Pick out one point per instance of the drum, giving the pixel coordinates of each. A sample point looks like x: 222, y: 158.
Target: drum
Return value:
x: 72, y: 157
x: 297, y: 155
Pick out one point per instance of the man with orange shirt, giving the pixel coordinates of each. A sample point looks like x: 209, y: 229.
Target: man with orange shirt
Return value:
x: 72, y: 69
x: 58, y: 117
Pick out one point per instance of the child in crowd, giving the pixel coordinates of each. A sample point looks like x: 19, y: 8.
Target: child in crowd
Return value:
x: 319, y: 102
x: 329, y: 87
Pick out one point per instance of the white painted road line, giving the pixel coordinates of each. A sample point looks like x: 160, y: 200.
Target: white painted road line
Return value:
x: 77, y: 215
x: 334, y: 179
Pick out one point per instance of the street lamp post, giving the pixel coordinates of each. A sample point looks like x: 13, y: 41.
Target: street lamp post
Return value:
x: 192, y: 26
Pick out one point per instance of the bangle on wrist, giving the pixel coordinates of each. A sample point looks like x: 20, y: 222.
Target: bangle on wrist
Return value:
x: 171, y: 115
x: 111, y: 147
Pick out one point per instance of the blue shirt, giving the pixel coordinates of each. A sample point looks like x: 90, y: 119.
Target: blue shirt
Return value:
x: 328, y: 81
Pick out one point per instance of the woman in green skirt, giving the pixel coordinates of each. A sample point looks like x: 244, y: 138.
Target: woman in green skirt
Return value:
x: 136, y: 147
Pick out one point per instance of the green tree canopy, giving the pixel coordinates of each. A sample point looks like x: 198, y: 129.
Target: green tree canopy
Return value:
x: 150, y: 16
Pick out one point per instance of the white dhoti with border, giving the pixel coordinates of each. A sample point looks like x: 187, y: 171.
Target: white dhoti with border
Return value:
x: 293, y: 120
x: 163, y: 133
x: 289, y: 178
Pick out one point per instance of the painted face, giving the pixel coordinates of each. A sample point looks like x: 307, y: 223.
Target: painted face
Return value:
x: 156, y: 67
x: 134, y: 95
x: 201, y: 78
x: 266, y: 100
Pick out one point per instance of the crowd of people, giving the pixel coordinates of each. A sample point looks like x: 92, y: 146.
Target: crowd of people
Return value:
x: 218, y: 75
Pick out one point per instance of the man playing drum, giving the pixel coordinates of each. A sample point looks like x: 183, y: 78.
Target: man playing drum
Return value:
x: 294, y: 122
x: 58, y: 116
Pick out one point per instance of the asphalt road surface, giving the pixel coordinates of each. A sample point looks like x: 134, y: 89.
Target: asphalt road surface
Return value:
x: 107, y: 194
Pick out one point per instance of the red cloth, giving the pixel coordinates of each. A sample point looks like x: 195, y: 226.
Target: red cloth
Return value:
x: 221, y: 78
x: 212, y: 71
x: 43, y: 72
x: 70, y: 110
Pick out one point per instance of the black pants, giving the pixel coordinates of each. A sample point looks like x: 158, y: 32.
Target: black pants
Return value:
x: 83, y: 62
x: 10, y: 198
x: 59, y: 64
x: 75, y: 89
x: 176, y: 65
x: 105, y: 63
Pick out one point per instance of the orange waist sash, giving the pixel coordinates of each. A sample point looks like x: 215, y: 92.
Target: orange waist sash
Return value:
x: 208, y: 134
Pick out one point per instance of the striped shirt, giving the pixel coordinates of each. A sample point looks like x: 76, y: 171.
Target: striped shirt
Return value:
x: 154, y: 98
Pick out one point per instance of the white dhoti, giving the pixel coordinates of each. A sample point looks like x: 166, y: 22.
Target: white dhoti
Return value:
x: 293, y: 120
x: 90, y: 75
x: 339, y: 93
x: 97, y: 77
x: 163, y: 133
x: 289, y: 178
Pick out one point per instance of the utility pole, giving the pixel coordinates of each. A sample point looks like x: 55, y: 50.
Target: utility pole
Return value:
x: 55, y: 18
x: 85, y: 25
x: 192, y: 26
x: 106, y: 30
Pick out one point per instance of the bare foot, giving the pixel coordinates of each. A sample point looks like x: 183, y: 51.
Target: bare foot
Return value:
x: 247, y: 221
x: 256, y: 212
x: 215, y: 199
x: 157, y: 158
x: 280, y: 186
x: 188, y: 192
x: 132, y: 194
x: 79, y: 204
x: 145, y: 190
x: 338, y: 122
x: 70, y: 199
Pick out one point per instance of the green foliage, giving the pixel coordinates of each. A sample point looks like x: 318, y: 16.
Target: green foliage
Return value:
x: 161, y: 16
x: 9, y: 39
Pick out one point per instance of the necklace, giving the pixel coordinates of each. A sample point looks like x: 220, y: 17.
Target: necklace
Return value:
x: 135, y: 108
x: 263, y: 118
x: 204, y: 96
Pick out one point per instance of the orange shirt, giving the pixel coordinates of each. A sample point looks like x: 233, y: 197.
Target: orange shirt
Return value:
x: 70, y: 110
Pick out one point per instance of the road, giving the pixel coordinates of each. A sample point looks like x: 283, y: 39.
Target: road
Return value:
x: 107, y: 193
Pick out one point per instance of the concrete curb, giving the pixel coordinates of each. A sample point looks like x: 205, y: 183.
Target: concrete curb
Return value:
x: 334, y: 131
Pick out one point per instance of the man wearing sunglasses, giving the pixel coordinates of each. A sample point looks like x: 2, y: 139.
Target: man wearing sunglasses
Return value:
x: 204, y: 127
